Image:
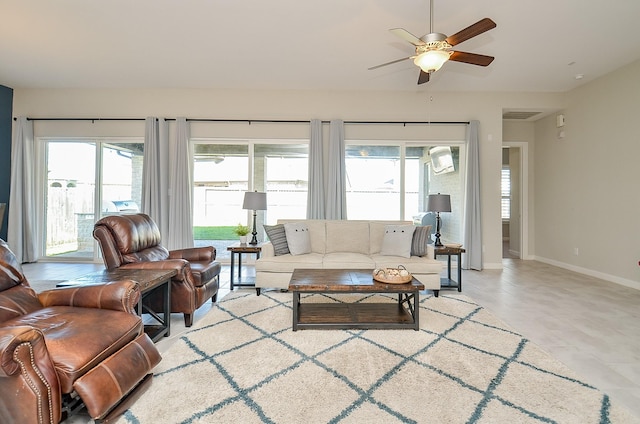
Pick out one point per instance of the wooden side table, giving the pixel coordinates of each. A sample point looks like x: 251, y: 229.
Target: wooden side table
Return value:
x: 150, y: 280
x: 449, y: 283
x: 239, y: 249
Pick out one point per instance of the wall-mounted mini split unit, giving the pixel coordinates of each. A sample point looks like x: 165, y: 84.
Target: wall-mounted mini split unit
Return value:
x: 441, y: 159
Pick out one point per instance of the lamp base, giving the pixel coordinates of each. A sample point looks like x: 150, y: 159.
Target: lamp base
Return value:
x: 254, y: 233
x: 438, y: 224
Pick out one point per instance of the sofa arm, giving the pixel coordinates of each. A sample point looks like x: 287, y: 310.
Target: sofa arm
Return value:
x: 267, y: 250
x: 117, y: 295
x: 29, y: 387
x: 10, y: 339
x: 194, y: 254
x: 178, y: 264
x: 431, y: 254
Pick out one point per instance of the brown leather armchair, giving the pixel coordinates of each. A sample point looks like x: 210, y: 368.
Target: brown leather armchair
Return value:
x: 67, y: 348
x: 132, y: 241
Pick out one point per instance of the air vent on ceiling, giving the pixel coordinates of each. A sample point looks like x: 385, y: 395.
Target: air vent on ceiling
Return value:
x: 521, y: 115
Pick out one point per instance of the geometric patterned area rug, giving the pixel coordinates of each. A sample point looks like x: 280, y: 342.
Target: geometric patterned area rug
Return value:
x: 242, y: 363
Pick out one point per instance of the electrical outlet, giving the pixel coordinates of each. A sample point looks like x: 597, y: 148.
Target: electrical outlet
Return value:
x: 576, y: 251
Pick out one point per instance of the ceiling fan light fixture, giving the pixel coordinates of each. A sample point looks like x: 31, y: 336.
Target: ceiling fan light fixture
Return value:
x: 432, y: 60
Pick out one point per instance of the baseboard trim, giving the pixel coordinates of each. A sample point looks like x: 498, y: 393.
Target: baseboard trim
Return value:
x: 590, y: 272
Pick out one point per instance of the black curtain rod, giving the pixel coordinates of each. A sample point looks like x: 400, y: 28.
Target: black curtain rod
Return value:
x: 410, y: 122
x: 83, y: 119
x: 250, y: 121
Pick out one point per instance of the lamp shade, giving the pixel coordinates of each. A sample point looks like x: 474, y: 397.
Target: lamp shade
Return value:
x: 432, y: 60
x: 439, y: 203
x: 254, y: 200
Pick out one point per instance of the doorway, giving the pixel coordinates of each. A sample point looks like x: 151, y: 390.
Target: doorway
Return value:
x: 515, y: 200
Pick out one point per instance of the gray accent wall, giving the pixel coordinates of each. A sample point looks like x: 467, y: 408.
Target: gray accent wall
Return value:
x: 6, y: 105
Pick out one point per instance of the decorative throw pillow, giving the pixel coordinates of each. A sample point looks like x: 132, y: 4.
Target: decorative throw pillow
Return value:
x: 421, y: 237
x: 278, y: 238
x: 397, y: 240
x: 298, y: 237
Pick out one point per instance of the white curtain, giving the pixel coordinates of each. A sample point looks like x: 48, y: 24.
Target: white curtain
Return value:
x: 472, y: 220
x: 155, y: 173
x: 180, y: 234
x: 22, y: 233
x: 336, y: 202
x: 315, y: 194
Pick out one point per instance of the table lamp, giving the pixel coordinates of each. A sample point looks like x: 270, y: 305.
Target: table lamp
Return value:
x: 253, y: 200
x: 438, y: 203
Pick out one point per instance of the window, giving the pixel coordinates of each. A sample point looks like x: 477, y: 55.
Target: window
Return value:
x: 224, y: 171
x: 392, y: 181
x: 505, y: 183
x: 84, y: 176
x: 373, y: 183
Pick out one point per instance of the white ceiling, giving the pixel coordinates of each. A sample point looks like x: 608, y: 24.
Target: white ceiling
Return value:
x: 539, y: 45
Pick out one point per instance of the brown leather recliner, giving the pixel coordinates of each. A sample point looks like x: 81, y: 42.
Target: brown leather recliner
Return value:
x: 133, y: 241
x: 65, y: 348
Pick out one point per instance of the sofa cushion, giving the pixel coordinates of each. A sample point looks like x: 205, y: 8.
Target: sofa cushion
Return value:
x: 132, y: 232
x: 278, y: 238
x: 397, y: 240
x: 421, y: 238
x: 317, y: 232
x: 347, y: 236
x: 376, y: 233
x: 347, y: 260
x: 17, y: 301
x: 150, y: 254
x: 287, y: 263
x: 298, y: 238
x: 204, y: 271
x: 414, y: 264
x: 65, y: 326
x: 10, y: 269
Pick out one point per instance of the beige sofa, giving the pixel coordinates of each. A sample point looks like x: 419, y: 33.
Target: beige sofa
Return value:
x: 343, y: 244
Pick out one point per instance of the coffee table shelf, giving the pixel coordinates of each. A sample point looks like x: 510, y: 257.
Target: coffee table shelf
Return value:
x: 359, y: 315
x: 353, y: 315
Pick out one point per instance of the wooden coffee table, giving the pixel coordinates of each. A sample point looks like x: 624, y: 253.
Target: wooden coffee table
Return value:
x: 401, y: 314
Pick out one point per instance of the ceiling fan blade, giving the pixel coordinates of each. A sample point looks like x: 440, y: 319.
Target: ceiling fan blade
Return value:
x: 407, y: 36
x: 423, y: 77
x: 471, y: 31
x: 388, y: 63
x: 471, y: 58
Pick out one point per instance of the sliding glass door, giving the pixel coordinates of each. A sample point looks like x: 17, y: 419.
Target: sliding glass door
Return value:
x: 87, y: 179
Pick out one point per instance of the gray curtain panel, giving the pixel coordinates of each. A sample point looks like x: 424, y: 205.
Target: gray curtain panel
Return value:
x: 155, y: 175
x: 336, y: 202
x: 180, y: 185
x: 22, y: 231
x: 472, y: 220
x: 315, y: 195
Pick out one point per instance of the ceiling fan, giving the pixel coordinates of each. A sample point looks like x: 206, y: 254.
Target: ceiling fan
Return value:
x: 434, y: 49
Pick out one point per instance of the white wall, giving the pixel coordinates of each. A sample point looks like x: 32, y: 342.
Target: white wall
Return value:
x: 299, y: 105
x: 586, y: 189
